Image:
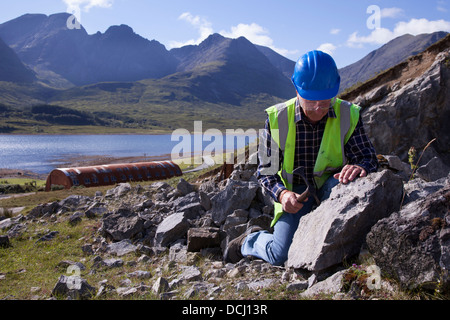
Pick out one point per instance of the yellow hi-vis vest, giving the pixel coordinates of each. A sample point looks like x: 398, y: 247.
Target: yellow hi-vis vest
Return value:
x: 331, y: 157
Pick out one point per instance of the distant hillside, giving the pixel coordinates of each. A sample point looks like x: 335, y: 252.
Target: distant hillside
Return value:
x: 390, y: 54
x: 227, y: 83
x: 283, y: 64
x: 228, y: 70
x: 11, y: 68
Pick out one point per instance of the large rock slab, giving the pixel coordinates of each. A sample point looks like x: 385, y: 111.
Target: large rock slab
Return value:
x: 121, y: 248
x: 236, y: 195
x: 413, y: 245
x: 122, y: 224
x: 172, y: 228
x: 200, y: 238
x: 338, y: 227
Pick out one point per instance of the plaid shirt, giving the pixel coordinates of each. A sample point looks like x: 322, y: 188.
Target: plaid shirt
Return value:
x: 358, y: 150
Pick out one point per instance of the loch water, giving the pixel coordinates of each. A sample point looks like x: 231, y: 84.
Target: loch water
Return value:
x: 43, y: 153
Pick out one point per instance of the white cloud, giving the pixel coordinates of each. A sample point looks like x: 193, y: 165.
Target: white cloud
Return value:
x: 253, y: 32
x: 378, y: 36
x: 256, y: 34
x: 327, y: 48
x: 383, y: 35
x: 76, y: 5
x: 202, y: 25
x: 391, y: 12
x: 335, y: 31
x: 418, y: 26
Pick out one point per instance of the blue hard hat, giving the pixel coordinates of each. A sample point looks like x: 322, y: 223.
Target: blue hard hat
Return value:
x: 316, y: 76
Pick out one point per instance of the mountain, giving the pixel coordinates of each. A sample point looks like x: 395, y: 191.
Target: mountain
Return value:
x: 224, y: 82
x: 123, y: 80
x: 121, y: 55
x: 47, y: 45
x: 11, y: 68
x: 283, y: 64
x: 387, y: 56
x: 227, y: 70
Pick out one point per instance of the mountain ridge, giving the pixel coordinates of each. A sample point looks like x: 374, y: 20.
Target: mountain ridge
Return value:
x: 386, y: 57
x: 81, y: 58
x: 12, y: 68
x: 120, y: 75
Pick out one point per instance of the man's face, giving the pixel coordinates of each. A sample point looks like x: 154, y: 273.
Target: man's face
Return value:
x: 314, y: 110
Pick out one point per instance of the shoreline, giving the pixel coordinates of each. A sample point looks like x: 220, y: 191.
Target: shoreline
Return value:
x: 87, y: 161
x: 79, y: 161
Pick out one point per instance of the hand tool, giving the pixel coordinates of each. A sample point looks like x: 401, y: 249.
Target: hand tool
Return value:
x: 310, y: 188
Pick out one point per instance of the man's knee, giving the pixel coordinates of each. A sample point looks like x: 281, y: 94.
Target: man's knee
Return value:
x: 278, y: 259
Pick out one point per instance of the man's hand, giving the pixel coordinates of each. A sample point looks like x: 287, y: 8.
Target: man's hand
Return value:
x: 288, y: 200
x: 349, y: 173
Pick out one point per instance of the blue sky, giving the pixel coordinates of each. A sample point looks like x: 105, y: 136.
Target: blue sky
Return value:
x: 346, y: 29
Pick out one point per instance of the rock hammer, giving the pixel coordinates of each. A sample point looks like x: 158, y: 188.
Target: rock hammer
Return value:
x: 310, y: 188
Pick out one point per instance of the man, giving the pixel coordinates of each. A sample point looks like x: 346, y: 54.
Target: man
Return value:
x: 317, y: 132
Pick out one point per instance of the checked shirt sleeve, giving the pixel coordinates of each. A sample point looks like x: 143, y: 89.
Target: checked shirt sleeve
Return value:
x: 360, y: 151
x: 271, y: 182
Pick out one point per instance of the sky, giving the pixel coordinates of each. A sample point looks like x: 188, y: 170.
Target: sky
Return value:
x: 346, y: 29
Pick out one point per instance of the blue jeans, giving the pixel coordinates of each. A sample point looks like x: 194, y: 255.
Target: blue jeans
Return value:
x: 274, y: 247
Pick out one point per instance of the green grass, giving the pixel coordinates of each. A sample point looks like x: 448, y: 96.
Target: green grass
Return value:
x: 23, y: 182
x: 28, y: 264
x: 147, y: 106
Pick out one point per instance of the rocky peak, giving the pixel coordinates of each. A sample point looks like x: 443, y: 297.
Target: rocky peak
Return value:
x: 213, y: 39
x: 119, y: 32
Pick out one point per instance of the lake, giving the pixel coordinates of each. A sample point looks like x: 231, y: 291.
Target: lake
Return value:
x: 43, y: 153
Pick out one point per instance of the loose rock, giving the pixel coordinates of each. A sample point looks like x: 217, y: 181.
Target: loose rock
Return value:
x: 73, y: 287
x: 172, y: 228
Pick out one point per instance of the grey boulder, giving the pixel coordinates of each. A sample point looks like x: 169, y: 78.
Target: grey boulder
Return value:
x: 73, y: 287
x: 236, y: 195
x: 413, y: 245
x: 171, y: 228
x: 122, y: 224
x: 338, y: 227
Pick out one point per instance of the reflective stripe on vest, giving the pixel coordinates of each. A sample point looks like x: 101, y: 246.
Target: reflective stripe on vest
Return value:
x: 331, y: 155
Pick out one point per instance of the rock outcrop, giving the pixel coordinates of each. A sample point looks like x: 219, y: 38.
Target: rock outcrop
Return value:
x: 337, y: 229
x: 413, y: 244
x: 409, y: 105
